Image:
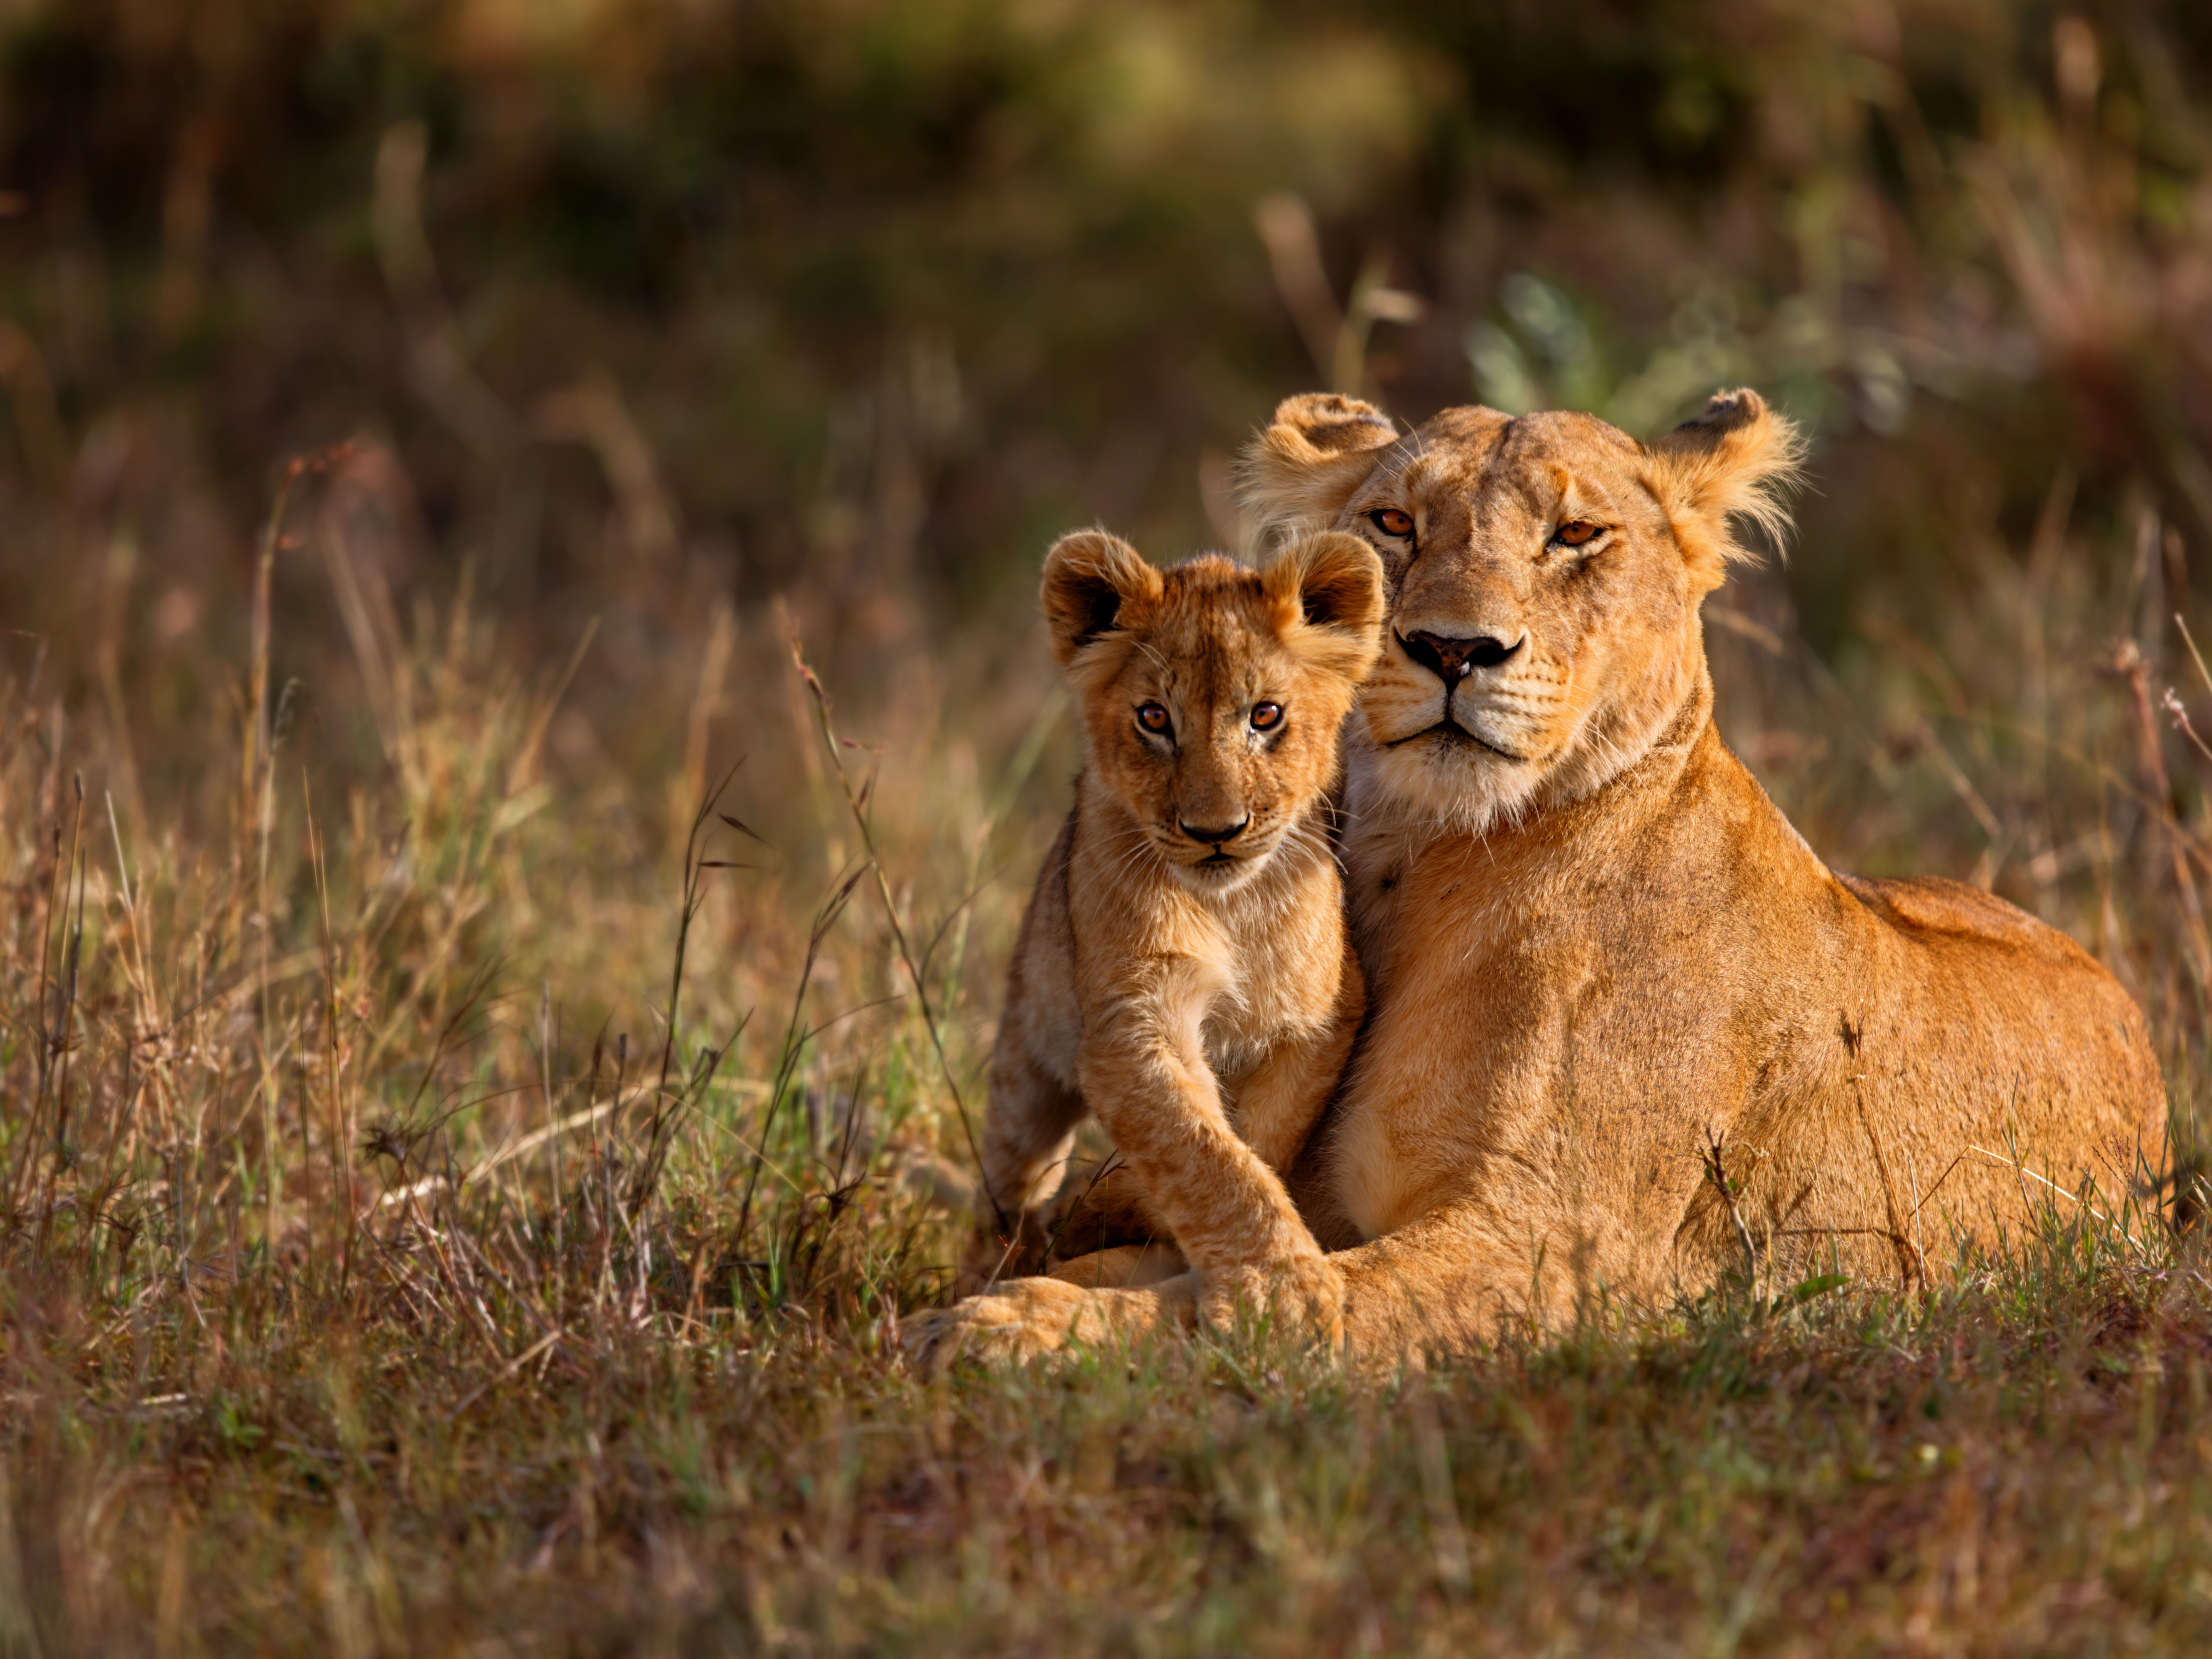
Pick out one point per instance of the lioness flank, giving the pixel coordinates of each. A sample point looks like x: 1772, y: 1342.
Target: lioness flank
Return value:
x: 1184, y: 970
x: 1600, y: 959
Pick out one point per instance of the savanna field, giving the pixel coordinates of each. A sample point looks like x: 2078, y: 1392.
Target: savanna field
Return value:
x: 524, y: 733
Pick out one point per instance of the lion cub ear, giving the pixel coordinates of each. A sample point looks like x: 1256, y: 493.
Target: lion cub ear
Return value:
x: 1734, y: 461
x: 1092, y: 582
x: 1316, y: 450
x: 1327, y: 594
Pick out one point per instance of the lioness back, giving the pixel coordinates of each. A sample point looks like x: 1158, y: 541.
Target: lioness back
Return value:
x: 1211, y: 696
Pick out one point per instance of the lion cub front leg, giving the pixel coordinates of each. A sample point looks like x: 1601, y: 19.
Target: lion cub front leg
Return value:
x: 1281, y: 1099
x: 1278, y: 1101
x: 1145, y: 1073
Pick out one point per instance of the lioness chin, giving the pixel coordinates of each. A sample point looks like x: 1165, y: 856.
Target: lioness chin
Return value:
x: 1602, y: 963
x: 1184, y: 968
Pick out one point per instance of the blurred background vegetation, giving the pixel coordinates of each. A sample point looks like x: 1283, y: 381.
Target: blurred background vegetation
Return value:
x: 635, y: 309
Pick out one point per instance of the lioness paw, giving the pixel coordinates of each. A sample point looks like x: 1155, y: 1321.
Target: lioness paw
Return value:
x: 1019, y: 1319
x: 1302, y: 1300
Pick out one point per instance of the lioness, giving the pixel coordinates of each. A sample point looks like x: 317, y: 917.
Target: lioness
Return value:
x: 1184, y: 968
x: 1596, y: 949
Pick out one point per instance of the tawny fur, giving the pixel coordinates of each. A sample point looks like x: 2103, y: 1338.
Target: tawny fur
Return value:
x: 1594, y: 946
x: 1201, y: 996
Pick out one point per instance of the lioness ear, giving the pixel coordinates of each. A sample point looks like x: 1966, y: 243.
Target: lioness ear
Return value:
x: 1317, y: 449
x: 1327, y: 593
x: 1734, y: 461
x: 1090, y: 579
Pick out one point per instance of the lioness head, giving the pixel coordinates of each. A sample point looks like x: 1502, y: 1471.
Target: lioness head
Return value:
x: 1212, y: 694
x: 1544, y: 576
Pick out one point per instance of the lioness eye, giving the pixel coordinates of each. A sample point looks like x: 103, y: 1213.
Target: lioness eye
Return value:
x: 1266, y: 715
x: 1152, y: 717
x: 1575, y: 532
x: 1391, y: 522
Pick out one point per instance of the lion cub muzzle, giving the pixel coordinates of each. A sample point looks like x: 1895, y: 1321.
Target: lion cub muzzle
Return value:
x: 1216, y: 840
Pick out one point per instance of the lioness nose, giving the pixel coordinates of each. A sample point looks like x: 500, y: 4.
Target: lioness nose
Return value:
x: 1216, y: 837
x: 1451, y: 659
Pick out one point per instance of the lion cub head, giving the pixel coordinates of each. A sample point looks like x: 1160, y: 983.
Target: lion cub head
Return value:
x: 1545, y: 577
x: 1212, y: 694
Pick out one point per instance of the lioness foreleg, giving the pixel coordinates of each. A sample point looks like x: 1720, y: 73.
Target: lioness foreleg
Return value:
x: 1122, y: 1267
x: 1024, y: 1318
x: 1461, y: 1275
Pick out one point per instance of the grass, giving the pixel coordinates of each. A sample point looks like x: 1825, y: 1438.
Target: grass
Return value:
x: 442, y: 1213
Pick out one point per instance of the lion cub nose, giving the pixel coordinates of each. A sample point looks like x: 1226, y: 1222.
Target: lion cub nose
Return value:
x: 1451, y: 659
x: 1216, y: 837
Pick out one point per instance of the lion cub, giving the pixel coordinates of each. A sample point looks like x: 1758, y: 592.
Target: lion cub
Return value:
x: 1183, y: 970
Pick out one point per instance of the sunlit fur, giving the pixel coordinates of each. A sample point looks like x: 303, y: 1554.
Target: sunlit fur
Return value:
x: 1607, y: 633
x: 1600, y: 959
x: 1203, y: 1009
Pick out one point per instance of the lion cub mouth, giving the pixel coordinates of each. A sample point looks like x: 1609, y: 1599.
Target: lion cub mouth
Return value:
x: 1221, y: 870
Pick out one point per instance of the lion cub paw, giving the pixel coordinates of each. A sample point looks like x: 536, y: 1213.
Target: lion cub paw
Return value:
x: 1302, y: 1299
x: 1019, y: 1319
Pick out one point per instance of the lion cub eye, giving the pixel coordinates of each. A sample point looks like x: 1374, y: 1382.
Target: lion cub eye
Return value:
x: 1152, y: 717
x: 1266, y: 716
x: 1391, y: 522
x: 1576, y: 532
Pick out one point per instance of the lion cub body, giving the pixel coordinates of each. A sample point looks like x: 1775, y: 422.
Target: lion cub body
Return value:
x: 1184, y: 968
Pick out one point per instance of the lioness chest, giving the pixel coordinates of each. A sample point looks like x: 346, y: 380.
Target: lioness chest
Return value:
x: 1533, y: 1026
